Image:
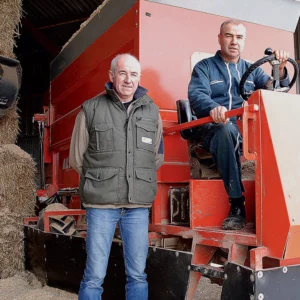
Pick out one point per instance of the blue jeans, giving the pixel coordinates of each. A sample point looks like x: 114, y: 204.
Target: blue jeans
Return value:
x: 133, y: 226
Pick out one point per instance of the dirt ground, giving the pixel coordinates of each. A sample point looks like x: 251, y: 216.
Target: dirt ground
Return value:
x: 26, y: 287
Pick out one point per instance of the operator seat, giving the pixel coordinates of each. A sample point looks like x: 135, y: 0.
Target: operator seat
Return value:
x: 200, y: 160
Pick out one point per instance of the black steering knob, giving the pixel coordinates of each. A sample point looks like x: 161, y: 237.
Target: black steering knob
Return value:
x: 268, y: 51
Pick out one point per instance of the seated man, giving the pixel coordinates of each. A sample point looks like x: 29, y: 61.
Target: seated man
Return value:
x: 213, y: 90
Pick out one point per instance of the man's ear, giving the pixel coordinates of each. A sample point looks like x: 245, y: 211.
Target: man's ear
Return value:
x: 219, y: 36
x: 111, y: 76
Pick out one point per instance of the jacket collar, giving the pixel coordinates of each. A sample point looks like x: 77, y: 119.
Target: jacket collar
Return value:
x: 139, y: 93
x: 219, y: 56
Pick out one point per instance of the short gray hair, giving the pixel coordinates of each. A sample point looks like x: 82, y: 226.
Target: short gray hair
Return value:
x: 231, y: 21
x: 117, y: 57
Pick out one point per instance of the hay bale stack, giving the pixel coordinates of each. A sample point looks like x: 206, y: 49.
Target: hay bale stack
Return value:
x: 9, y: 126
x: 17, y: 201
x: 10, y: 12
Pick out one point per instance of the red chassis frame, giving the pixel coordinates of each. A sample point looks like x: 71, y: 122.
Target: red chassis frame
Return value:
x: 206, y: 234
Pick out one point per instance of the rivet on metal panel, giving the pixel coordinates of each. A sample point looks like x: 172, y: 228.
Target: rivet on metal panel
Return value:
x: 238, y: 268
x: 261, y: 297
x: 252, y: 277
x: 225, y: 276
x: 177, y: 253
x: 154, y: 249
x: 136, y: 11
x: 260, y: 274
x: 285, y: 269
x: 136, y: 24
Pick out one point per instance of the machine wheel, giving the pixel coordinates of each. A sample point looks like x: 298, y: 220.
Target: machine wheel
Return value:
x: 260, y: 62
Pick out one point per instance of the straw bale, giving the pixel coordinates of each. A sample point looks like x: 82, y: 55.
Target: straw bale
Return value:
x: 83, y: 24
x: 10, y: 12
x: 17, y: 200
x: 9, y: 126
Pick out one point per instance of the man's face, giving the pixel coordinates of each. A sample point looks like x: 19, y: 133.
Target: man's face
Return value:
x: 125, y: 78
x: 232, y: 41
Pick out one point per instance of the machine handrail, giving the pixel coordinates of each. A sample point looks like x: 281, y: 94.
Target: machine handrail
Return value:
x: 229, y: 114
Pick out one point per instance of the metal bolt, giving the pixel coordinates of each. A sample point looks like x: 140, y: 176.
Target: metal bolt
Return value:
x: 285, y: 269
x: 252, y: 277
x: 261, y: 296
x: 225, y: 276
x: 260, y: 274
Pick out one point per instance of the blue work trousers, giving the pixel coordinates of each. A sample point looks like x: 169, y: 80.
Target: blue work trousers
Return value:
x: 133, y: 226
x: 223, y: 141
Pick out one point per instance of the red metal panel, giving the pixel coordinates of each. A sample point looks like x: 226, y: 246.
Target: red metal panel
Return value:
x: 67, y: 177
x: 293, y: 243
x: 210, y: 205
x: 61, y: 130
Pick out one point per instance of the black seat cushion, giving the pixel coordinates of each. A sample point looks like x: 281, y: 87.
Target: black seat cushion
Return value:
x: 184, y: 114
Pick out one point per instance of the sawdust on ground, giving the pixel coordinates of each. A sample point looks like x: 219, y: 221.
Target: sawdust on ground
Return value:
x: 25, y: 286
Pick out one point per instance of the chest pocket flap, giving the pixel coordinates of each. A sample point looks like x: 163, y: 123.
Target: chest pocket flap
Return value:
x: 104, y: 137
x: 146, y: 134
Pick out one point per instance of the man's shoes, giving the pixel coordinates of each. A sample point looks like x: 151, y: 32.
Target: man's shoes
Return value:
x: 237, y: 215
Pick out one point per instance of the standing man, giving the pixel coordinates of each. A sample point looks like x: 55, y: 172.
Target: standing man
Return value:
x: 213, y: 90
x: 116, y: 148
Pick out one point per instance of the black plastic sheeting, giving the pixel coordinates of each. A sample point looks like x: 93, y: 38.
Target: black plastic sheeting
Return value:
x: 59, y: 261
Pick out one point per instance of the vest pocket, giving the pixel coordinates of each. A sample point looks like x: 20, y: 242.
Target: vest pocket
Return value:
x: 145, y: 185
x: 145, y: 131
x: 104, y: 137
x: 101, y: 186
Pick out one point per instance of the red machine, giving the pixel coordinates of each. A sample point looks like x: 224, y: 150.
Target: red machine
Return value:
x: 185, y: 237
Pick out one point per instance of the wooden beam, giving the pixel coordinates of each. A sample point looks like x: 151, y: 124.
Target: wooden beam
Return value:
x: 41, y: 38
x: 62, y: 23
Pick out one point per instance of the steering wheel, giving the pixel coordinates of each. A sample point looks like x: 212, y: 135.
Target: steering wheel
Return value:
x: 275, y: 63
